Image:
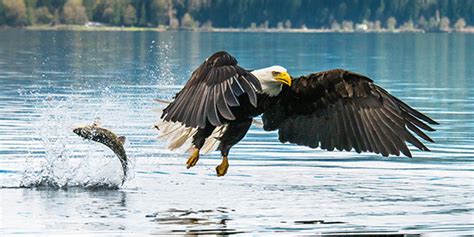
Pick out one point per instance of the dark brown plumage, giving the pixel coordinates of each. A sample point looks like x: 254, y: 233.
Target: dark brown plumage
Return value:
x: 213, y: 88
x: 343, y: 110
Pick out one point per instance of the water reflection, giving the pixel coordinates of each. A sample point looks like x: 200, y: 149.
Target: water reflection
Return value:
x: 194, y: 222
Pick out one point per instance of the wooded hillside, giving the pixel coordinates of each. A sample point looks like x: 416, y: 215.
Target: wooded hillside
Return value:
x: 423, y: 14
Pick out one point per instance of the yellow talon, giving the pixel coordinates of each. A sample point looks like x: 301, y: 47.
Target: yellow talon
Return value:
x: 193, y: 159
x: 222, y: 168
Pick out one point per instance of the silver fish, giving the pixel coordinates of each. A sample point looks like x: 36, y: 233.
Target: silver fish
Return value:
x: 115, y: 143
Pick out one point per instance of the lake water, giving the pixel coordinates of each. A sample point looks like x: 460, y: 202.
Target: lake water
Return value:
x: 52, y: 81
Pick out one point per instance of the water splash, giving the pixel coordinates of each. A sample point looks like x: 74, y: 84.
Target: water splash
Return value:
x: 162, y: 72
x: 66, y: 160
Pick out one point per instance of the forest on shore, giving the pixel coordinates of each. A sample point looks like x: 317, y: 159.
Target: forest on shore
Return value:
x: 336, y: 15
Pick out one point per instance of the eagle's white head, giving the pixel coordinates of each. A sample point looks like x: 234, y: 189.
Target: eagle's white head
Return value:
x: 272, y: 79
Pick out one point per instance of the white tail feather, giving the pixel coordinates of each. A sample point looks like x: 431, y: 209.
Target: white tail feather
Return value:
x: 211, y: 141
x: 179, y: 137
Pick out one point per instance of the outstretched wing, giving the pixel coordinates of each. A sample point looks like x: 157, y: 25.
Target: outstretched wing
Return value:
x: 213, y: 88
x: 342, y: 110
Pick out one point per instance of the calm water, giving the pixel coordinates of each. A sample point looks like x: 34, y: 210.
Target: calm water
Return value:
x: 53, y: 81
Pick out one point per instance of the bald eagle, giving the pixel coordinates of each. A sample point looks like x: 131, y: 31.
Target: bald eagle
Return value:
x: 334, y: 109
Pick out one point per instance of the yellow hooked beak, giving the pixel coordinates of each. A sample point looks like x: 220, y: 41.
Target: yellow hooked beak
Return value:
x: 284, y: 78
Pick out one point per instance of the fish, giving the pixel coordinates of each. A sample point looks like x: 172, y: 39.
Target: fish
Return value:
x: 102, y: 135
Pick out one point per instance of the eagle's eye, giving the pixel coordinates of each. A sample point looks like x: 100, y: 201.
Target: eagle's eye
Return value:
x: 274, y: 73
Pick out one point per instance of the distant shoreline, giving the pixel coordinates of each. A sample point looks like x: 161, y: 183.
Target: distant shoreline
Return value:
x: 250, y: 30
x: 93, y: 28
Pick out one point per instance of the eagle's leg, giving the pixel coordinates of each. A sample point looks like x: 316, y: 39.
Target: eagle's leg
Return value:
x: 221, y: 169
x: 234, y: 132
x: 198, y: 141
x: 193, y: 158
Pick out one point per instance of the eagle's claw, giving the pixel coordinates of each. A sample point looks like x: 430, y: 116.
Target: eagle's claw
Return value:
x: 221, y: 169
x: 193, y: 159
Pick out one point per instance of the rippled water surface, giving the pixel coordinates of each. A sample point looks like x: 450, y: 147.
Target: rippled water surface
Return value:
x: 52, y: 81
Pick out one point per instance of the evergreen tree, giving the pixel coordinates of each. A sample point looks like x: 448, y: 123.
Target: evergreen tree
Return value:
x: 2, y: 14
